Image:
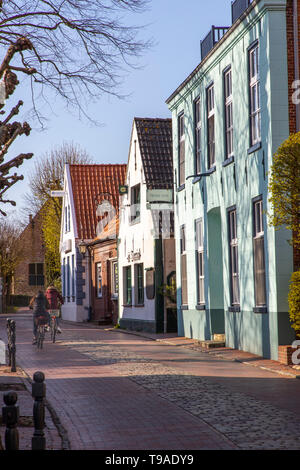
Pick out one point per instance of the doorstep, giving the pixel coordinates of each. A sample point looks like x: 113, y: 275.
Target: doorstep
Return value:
x: 212, y: 344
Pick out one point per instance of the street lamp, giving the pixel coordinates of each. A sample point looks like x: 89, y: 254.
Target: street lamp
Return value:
x: 82, y: 248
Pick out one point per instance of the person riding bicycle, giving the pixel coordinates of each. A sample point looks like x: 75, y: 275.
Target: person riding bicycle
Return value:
x: 55, y: 300
x: 39, y: 304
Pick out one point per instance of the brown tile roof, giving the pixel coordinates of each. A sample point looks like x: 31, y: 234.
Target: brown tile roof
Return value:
x: 155, y: 141
x: 89, y: 183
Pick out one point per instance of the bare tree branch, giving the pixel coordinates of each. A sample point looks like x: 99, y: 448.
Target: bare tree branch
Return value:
x: 78, y: 47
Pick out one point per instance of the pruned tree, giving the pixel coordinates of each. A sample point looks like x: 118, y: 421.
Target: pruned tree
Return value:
x: 47, y: 176
x: 75, y: 48
x: 10, y: 131
x: 284, y: 188
x: 11, y: 253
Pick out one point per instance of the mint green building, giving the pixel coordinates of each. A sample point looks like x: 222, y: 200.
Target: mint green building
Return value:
x: 229, y: 117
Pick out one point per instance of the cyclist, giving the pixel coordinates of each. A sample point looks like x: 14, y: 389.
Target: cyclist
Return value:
x: 55, y: 300
x: 39, y: 304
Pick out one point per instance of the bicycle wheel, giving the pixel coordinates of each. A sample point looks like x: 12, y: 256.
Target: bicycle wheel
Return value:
x: 40, y: 336
x: 53, y: 329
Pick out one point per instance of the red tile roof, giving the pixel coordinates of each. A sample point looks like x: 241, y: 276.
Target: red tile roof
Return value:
x: 89, y: 185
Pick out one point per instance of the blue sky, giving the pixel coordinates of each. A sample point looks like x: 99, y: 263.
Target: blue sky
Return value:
x: 176, y: 28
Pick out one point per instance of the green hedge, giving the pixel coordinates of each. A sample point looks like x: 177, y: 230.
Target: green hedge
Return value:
x: 19, y: 300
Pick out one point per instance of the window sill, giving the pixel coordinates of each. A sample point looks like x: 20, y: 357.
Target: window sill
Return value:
x: 184, y: 307
x: 135, y: 221
x: 228, y: 161
x: 207, y: 173
x: 260, y: 310
x: 211, y: 170
x: 234, y: 308
x: 254, y: 147
x: 200, y: 307
x: 181, y: 188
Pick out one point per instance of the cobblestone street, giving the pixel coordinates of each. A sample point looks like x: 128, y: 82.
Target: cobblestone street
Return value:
x: 113, y: 390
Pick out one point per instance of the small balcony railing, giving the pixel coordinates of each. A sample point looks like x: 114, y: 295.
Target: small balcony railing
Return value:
x: 215, y: 34
x: 238, y: 7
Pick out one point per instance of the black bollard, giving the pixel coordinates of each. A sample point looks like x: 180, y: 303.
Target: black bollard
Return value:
x: 11, y: 344
x: 38, y: 441
x: 8, y: 340
x: 10, y: 417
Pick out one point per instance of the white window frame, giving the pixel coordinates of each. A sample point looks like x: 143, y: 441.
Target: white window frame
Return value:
x: 254, y: 96
x: 234, y: 258
x: 135, y: 203
x: 73, y: 279
x: 181, y: 149
x: 228, y: 113
x: 200, y: 262
x: 183, y: 260
x: 64, y: 277
x: 114, y: 289
x: 198, y: 127
x: 99, y: 291
x: 68, y: 279
x: 211, y: 144
x: 258, y: 235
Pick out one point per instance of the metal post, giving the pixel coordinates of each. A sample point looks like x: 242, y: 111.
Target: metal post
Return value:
x: 38, y: 441
x: 11, y: 344
x: 8, y: 341
x: 10, y: 417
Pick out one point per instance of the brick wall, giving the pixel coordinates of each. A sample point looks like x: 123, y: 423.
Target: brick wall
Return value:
x: 285, y: 354
x: 291, y: 78
x: 34, y: 252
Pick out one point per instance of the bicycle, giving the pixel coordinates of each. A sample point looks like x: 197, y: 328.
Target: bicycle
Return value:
x: 53, y: 324
x: 40, y: 334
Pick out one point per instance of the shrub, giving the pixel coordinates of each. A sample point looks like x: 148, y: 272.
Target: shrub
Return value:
x: 294, y: 302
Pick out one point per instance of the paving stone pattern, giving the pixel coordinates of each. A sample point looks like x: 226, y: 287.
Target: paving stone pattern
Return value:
x: 247, y: 422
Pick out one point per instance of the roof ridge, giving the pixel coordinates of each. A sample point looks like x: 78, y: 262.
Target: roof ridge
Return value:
x: 152, y: 119
x: 97, y: 164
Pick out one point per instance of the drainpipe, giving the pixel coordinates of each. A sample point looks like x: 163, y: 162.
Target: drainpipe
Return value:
x: 296, y: 57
